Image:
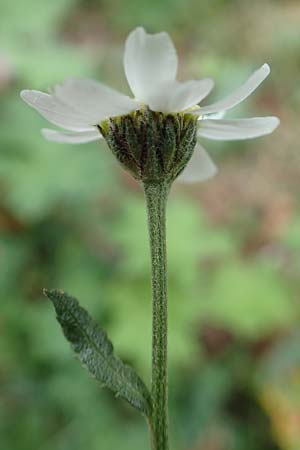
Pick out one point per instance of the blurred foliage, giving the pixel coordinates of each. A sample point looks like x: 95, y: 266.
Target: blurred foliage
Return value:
x: 70, y: 219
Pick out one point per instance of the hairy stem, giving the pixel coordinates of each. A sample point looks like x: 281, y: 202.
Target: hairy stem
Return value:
x: 156, y: 199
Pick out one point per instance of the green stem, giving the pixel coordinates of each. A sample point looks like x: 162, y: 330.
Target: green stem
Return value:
x: 156, y: 199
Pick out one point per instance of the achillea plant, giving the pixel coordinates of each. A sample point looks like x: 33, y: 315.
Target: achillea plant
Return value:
x: 155, y: 136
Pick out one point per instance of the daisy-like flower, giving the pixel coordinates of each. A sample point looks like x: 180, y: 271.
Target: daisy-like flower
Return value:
x: 89, y: 110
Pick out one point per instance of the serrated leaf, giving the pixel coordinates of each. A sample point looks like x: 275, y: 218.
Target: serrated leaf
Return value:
x: 95, y: 351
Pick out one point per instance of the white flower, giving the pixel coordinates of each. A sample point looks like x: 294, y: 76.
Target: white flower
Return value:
x: 150, y: 63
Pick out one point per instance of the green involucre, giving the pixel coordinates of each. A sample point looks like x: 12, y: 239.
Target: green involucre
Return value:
x: 152, y: 146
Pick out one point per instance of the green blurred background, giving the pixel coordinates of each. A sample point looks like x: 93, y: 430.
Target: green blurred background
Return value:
x: 70, y: 218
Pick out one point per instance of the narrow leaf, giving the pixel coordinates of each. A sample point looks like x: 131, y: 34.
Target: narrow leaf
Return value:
x: 95, y: 351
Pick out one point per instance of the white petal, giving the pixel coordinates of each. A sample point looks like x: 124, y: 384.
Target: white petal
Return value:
x: 200, y: 167
x: 215, y: 116
x: 94, y: 99
x: 175, y: 96
x: 149, y: 61
x: 239, y: 94
x: 238, y: 128
x: 55, y: 111
x: 71, y: 137
x: 188, y: 94
x: 160, y: 99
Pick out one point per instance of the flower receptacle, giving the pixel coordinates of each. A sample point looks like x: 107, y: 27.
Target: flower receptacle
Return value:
x: 152, y: 146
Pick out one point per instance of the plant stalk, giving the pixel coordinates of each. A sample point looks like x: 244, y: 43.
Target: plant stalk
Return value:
x: 156, y: 200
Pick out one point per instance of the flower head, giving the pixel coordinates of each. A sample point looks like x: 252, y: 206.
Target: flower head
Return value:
x: 89, y: 110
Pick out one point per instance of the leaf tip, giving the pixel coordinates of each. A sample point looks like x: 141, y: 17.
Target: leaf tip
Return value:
x: 53, y: 294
